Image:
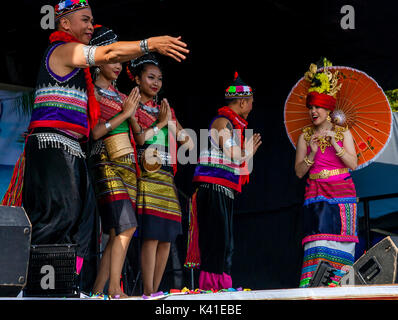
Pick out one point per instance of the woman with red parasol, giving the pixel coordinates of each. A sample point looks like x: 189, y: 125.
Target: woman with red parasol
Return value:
x: 339, y: 119
x: 326, y: 151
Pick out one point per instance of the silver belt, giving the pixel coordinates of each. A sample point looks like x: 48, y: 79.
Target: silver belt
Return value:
x: 58, y: 141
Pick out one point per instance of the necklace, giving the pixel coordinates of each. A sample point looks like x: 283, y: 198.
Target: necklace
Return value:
x: 109, y: 94
x: 150, y: 110
x: 324, y: 142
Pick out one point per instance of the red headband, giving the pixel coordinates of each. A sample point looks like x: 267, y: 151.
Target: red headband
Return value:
x: 321, y: 100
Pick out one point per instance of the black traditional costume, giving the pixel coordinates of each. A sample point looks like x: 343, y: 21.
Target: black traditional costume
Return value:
x: 218, y: 179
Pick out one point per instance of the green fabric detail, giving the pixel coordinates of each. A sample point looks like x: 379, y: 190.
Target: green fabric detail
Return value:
x: 325, y: 256
x: 162, y: 138
x: 304, y: 282
x: 122, y: 128
x: 220, y: 166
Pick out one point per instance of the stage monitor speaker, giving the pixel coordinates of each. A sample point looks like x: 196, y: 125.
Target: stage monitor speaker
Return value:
x: 323, y: 275
x: 377, y: 266
x: 15, y: 236
x: 52, y: 271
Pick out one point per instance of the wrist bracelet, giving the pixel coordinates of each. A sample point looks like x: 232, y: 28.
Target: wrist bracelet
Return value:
x: 308, y: 162
x: 181, y: 136
x: 155, y: 130
x: 144, y: 46
x: 340, y: 153
x: 108, y: 126
x: 89, y: 54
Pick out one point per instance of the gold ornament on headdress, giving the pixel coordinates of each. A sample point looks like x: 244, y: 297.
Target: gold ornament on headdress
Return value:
x: 323, y: 81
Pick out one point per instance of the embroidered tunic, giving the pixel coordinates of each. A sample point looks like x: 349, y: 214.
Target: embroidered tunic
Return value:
x: 60, y: 102
x: 215, y: 167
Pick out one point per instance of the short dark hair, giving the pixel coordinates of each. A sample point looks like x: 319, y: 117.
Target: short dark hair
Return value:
x: 229, y: 101
x: 57, y: 25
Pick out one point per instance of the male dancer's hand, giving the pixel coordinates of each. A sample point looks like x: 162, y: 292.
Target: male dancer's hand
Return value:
x: 252, y: 145
x: 169, y: 46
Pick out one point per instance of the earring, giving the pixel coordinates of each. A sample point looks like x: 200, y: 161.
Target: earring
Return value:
x: 97, y: 71
x: 328, y: 118
x: 114, y: 83
x: 155, y: 99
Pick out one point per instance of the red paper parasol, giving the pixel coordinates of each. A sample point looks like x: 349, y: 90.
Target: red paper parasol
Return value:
x: 361, y: 105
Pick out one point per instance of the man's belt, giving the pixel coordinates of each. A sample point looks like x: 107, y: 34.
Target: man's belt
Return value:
x: 325, y: 174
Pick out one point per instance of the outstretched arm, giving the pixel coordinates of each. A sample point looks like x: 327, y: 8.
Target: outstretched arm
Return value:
x: 75, y: 55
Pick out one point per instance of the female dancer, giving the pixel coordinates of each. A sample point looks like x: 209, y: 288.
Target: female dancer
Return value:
x: 158, y: 207
x: 115, y: 177
x: 327, y: 152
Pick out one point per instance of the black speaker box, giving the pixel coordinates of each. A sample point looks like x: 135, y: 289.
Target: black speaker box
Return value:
x: 322, y: 275
x: 52, y: 271
x: 377, y: 266
x: 15, y: 236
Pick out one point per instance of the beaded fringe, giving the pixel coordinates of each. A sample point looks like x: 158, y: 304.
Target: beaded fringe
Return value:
x: 217, y: 187
x: 54, y: 140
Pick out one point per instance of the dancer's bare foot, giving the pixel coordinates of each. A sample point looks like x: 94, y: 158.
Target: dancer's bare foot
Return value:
x: 117, y: 294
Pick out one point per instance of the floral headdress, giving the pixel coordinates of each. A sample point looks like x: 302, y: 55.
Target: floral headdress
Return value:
x: 324, y: 86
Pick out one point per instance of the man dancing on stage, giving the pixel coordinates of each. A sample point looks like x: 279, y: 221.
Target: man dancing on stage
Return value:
x: 57, y: 193
x: 220, y: 173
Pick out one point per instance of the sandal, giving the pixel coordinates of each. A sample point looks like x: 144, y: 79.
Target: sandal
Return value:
x: 99, y: 295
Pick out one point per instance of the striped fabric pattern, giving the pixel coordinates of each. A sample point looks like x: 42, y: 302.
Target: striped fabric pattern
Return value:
x: 54, y: 103
x: 348, y: 214
x: 333, y: 192
x: 157, y: 196
x: 110, y: 108
x: 337, y: 254
x: 214, y: 167
x: 216, y: 158
x: 115, y: 180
